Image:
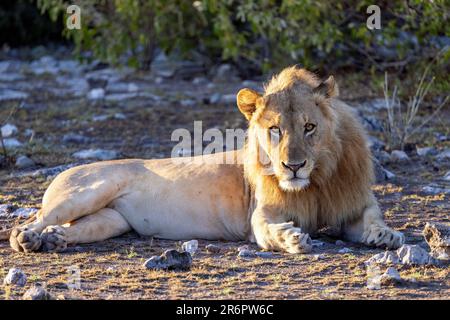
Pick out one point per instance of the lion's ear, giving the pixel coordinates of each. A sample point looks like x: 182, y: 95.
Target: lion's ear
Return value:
x: 328, y: 88
x: 246, y: 101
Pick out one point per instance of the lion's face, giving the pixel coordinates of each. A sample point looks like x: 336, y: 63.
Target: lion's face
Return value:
x: 292, y: 127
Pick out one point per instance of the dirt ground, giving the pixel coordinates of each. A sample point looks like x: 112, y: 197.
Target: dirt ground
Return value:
x: 113, y: 269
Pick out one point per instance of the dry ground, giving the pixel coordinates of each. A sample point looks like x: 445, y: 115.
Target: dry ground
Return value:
x: 113, y: 269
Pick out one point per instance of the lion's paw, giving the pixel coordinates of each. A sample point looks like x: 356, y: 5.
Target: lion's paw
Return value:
x: 23, y: 239
x: 382, y: 236
x: 54, y: 239
x: 292, y: 239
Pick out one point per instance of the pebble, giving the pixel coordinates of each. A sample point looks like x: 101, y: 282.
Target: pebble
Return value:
x: 16, y: 277
x: 96, y: 94
x: 190, y: 246
x: 406, y: 254
x: 391, y: 277
x: 12, y: 143
x: 212, y: 248
x: 75, y: 138
x: 399, y: 156
x: 37, y: 292
x: 23, y: 162
x: 170, y: 260
x: 426, y: 151
x: 24, y: 213
x: 340, y: 243
x: 447, y: 176
x: 9, y: 130
x: 435, y: 190
x: 444, y: 155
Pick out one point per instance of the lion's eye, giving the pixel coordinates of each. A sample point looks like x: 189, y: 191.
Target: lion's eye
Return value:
x: 309, y: 127
x: 275, y: 130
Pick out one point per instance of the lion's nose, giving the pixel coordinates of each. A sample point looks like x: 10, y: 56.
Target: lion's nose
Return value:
x: 294, y: 166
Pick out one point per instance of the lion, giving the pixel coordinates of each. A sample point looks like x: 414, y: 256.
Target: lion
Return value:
x: 305, y: 166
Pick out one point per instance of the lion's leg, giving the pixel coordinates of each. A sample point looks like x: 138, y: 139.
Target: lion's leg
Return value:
x: 102, y: 225
x: 272, y: 233
x: 371, y: 229
x: 61, y: 205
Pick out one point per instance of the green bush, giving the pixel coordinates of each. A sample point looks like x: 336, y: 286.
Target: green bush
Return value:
x: 260, y: 34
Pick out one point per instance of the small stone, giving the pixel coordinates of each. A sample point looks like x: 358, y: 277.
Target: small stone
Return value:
x: 6, y: 210
x: 12, y: 143
x: 228, y: 99
x: 9, y: 130
x: 318, y: 256
x: 444, y: 155
x: 190, y: 246
x: 100, y: 118
x: 215, y: 98
x: 120, y: 116
x: 340, y: 243
x: 264, y: 254
x: 96, y: 94
x: 75, y: 138
x: 390, y: 277
x: 188, y: 103
x: 170, y: 260
x: 246, y: 253
x: 387, y: 257
x: 24, y: 213
x: 29, y: 132
x: 431, y: 189
x: 16, y: 277
x: 7, y: 95
x: 36, y: 292
x: 345, y: 250
x: 23, y: 162
x: 212, y: 248
x: 399, y: 156
x: 447, y: 176
x: 199, y: 81
x: 426, y: 151
x: 389, y: 174
x: 225, y: 73
x: 383, y: 156
x: 98, y: 154
x: 413, y: 254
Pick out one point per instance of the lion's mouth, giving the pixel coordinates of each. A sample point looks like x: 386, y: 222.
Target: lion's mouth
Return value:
x: 294, y: 184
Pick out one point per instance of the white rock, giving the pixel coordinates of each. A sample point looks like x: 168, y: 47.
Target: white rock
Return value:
x: 36, y: 292
x: 447, y: 176
x: 340, y: 243
x: 413, y: 254
x: 24, y: 212
x: 391, y: 276
x: 6, y: 210
x: 190, y: 246
x: 11, y: 143
x: 96, y: 94
x: 389, y: 174
x: 246, y: 252
x: 188, y: 102
x: 9, y: 130
x: 23, y: 162
x: 16, y: 277
x: 100, y: 118
x: 387, y: 257
x: 7, y: 94
x: 444, y: 155
x: 435, y: 190
x: 319, y: 256
x: 120, y: 116
x: 426, y: 151
x: 399, y: 156
x: 99, y: 154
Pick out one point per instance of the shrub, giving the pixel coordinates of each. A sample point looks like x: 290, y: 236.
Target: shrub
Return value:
x: 264, y: 34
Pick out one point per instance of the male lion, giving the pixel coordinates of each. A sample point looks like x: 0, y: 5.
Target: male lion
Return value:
x: 318, y: 173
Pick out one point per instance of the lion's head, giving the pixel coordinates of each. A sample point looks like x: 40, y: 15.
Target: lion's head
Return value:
x: 293, y: 125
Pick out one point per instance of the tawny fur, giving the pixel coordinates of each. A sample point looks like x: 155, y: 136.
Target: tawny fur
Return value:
x: 212, y: 199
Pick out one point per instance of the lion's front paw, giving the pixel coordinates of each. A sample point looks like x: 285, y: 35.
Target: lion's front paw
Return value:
x: 382, y: 236
x: 54, y: 239
x: 292, y: 239
x: 23, y: 239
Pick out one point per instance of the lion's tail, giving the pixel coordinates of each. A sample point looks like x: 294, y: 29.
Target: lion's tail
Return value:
x: 5, y: 234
